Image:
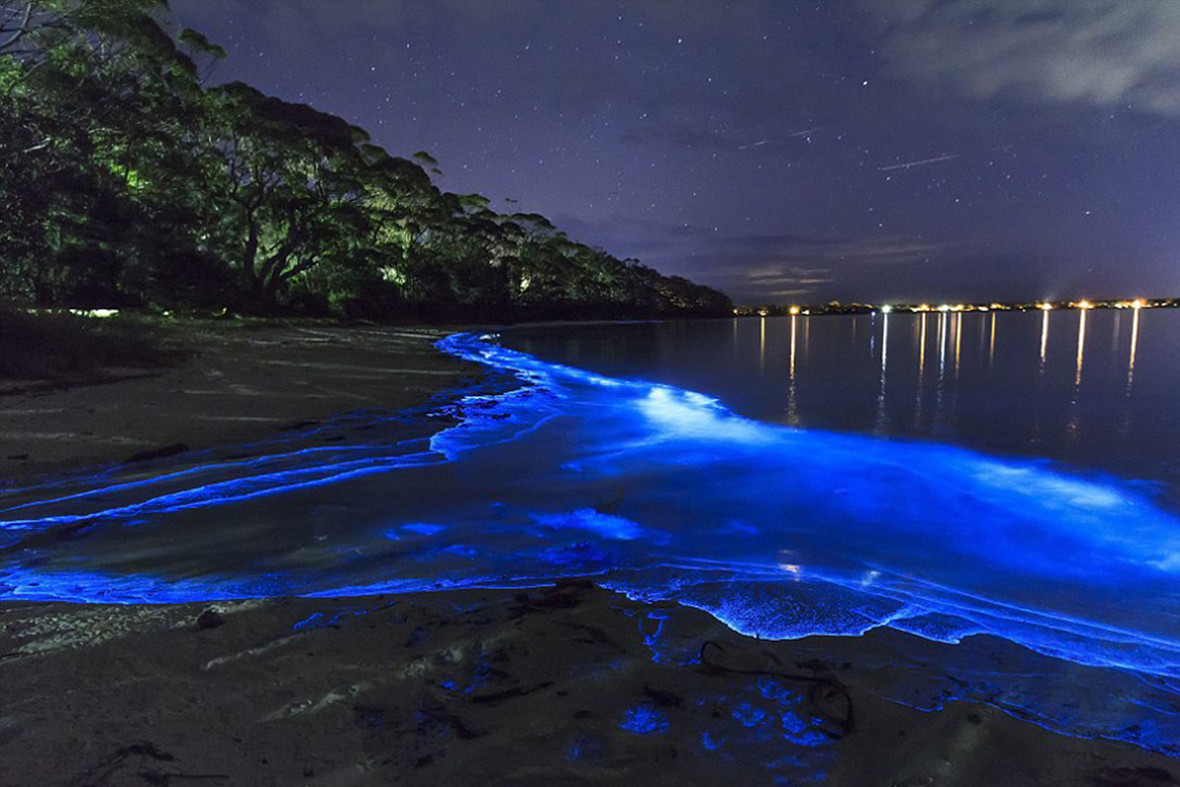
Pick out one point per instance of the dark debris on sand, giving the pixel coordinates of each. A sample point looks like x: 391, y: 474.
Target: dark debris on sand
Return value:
x: 562, y: 685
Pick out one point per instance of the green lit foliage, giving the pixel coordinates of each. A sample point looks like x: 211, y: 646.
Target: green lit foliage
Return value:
x: 125, y: 180
x: 97, y: 102
x: 293, y: 182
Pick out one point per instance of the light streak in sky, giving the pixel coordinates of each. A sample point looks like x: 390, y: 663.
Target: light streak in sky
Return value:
x: 921, y: 162
x: 805, y: 133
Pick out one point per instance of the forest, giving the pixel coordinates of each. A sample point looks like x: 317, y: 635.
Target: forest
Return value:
x: 129, y: 179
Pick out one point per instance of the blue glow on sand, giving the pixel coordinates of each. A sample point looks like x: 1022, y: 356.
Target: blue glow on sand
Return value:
x: 644, y: 720
x: 749, y: 716
x: 660, y: 493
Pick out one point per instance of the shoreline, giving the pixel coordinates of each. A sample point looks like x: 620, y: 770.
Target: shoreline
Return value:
x: 565, y: 683
x: 244, y: 381
x: 568, y: 684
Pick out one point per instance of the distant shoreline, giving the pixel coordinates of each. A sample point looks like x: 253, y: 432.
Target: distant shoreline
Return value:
x: 835, y: 307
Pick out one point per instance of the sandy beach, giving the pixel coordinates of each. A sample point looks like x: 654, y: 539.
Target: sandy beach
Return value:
x: 559, y: 685
x: 565, y: 684
x: 243, y: 381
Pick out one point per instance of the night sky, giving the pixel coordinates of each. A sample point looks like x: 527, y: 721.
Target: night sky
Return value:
x: 781, y: 151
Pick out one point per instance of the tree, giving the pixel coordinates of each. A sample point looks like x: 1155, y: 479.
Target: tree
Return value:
x: 125, y: 180
x: 294, y: 185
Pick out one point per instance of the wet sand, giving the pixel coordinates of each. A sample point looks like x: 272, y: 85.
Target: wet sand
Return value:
x: 242, y: 382
x: 559, y: 685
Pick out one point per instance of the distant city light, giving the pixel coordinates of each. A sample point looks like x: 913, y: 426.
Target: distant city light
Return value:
x: 862, y: 307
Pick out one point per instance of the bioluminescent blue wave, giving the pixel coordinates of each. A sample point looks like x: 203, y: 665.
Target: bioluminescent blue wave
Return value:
x: 662, y: 493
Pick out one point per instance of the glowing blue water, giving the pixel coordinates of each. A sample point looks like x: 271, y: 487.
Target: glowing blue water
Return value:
x: 663, y: 494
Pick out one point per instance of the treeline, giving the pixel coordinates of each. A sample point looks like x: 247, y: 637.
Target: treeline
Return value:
x: 126, y: 181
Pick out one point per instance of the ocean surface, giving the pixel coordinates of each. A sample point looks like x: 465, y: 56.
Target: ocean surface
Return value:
x: 1099, y: 395
x: 1009, y: 476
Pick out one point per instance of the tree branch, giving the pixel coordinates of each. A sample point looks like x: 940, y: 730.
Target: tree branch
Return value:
x: 20, y: 31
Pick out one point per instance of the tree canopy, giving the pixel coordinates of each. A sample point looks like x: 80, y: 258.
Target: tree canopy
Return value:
x: 126, y: 181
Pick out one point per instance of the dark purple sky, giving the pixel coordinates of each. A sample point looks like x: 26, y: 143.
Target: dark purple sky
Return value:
x: 781, y: 151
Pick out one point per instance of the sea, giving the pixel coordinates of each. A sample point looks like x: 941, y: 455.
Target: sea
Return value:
x: 985, y: 476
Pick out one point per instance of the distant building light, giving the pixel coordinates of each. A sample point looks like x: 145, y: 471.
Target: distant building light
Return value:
x: 1045, y: 306
x: 1085, y: 305
x: 1138, y: 303
x: 794, y: 310
x: 886, y: 309
x: 944, y: 308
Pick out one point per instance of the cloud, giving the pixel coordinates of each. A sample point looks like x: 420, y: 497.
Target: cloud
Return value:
x: 1102, y: 53
x: 759, y: 267
x: 804, y: 254
x: 782, y: 281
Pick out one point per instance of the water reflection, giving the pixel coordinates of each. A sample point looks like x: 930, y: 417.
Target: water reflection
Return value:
x: 792, y: 406
x: 991, y: 348
x: 941, y: 345
x: 921, y: 373
x: 922, y: 349
x: 1044, y: 334
x: 958, y: 340
x: 1134, y: 348
x: 1016, y: 387
x: 881, y: 424
x: 1072, y: 426
x: 934, y: 540
x: 1116, y: 334
x: 762, y: 347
